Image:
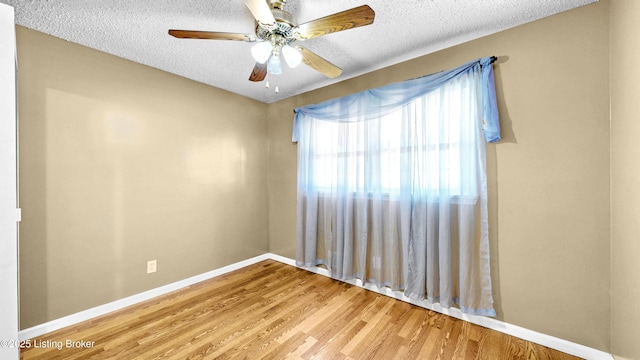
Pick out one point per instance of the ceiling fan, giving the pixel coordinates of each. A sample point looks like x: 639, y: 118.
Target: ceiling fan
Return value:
x: 277, y: 30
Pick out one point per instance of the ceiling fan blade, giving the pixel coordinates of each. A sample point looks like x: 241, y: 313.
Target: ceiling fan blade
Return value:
x: 316, y: 62
x: 211, y: 35
x: 259, y: 72
x: 345, y: 20
x: 261, y: 11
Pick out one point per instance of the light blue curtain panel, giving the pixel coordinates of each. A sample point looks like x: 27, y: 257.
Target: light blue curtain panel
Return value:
x: 392, y: 186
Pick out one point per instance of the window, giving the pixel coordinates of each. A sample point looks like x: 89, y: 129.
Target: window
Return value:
x: 368, y: 156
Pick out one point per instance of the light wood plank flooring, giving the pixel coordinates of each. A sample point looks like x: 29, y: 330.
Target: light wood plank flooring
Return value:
x: 275, y: 311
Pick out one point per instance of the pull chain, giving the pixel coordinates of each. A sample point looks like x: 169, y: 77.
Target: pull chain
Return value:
x: 266, y: 85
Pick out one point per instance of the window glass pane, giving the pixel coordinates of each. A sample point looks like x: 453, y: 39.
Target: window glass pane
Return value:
x: 368, y: 156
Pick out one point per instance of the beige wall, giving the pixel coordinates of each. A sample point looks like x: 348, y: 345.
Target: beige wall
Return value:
x: 548, y: 178
x: 625, y: 178
x: 121, y: 164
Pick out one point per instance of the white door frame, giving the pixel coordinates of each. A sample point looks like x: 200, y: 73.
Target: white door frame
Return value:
x: 8, y: 188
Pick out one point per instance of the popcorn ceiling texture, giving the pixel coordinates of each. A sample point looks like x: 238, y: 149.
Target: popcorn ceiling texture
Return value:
x: 403, y: 29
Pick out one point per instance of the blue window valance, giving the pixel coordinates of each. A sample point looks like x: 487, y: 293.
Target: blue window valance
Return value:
x: 373, y: 103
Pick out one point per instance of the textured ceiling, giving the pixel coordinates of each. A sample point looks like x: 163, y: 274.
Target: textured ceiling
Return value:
x: 402, y: 30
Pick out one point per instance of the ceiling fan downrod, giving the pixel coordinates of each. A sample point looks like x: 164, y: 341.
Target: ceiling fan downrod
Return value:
x: 277, y: 4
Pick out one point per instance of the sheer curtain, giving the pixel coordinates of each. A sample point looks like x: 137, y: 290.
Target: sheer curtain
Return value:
x: 392, y: 186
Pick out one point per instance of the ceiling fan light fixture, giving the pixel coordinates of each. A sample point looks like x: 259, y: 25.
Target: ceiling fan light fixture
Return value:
x: 261, y: 51
x: 291, y: 56
x: 275, y: 65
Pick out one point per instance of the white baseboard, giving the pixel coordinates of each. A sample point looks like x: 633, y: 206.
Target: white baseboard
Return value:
x: 88, y: 314
x: 549, y: 341
x: 497, y: 325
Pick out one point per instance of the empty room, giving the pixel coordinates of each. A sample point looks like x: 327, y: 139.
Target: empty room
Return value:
x: 193, y: 179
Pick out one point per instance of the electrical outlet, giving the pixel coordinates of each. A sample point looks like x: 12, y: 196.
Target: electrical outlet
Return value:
x: 152, y: 266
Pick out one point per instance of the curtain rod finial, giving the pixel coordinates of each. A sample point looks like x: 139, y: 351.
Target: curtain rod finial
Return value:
x: 493, y: 59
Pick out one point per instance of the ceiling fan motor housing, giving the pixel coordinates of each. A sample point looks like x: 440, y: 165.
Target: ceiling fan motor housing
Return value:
x: 283, y: 32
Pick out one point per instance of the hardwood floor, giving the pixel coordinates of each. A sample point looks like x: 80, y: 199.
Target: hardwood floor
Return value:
x: 274, y: 311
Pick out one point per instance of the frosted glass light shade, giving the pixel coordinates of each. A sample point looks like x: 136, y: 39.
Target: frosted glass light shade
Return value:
x: 291, y: 56
x: 261, y: 51
x: 275, y: 65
